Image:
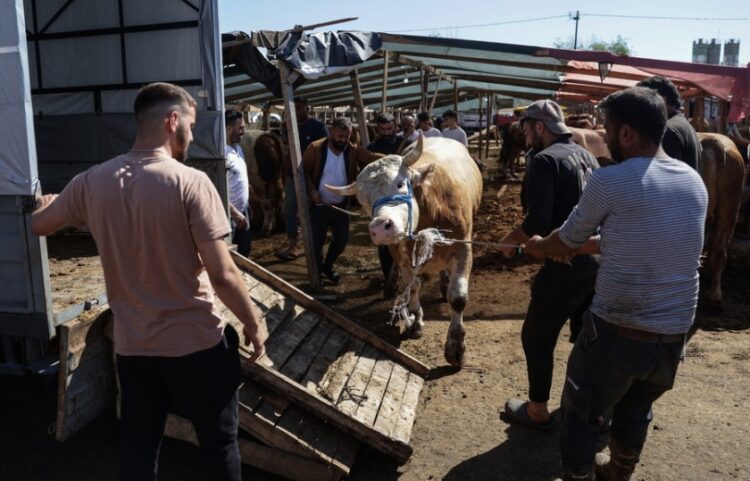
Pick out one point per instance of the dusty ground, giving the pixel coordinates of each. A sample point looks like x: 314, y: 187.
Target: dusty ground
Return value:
x: 700, y: 431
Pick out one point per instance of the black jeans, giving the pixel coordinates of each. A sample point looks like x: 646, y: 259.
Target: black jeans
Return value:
x: 386, y: 261
x: 323, y: 218
x: 242, y: 238
x: 609, y: 375
x: 202, y: 387
x: 559, y: 292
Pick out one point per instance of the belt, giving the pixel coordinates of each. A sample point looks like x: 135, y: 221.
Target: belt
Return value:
x: 639, y: 335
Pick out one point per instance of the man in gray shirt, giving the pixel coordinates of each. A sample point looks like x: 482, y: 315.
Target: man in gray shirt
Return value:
x: 651, y: 210
x: 452, y: 130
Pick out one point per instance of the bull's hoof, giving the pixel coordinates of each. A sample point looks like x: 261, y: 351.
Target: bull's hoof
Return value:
x: 455, y: 357
x: 415, y: 331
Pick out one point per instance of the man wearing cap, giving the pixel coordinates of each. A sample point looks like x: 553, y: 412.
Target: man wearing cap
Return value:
x: 556, y: 178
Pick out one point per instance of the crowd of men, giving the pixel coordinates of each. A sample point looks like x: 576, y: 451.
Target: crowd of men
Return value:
x: 607, y: 237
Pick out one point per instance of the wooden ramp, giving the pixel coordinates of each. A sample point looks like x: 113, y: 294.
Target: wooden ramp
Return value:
x: 325, y: 384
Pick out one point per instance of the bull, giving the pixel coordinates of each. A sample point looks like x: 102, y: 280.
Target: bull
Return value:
x: 723, y: 174
x: 436, y: 184
x: 264, y: 154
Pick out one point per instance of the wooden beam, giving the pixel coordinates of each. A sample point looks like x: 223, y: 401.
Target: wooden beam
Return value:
x: 384, y: 101
x: 479, y: 110
x: 405, y: 60
x: 307, y: 302
x: 303, y: 209
x: 434, y: 96
x: 490, y: 115
x: 424, y: 90
x: 455, y: 97
x: 360, y: 105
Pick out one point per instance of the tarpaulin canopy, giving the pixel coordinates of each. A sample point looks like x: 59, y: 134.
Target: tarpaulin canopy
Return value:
x: 727, y: 83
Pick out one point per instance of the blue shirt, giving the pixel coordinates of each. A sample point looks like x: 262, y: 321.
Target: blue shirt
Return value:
x: 652, y: 213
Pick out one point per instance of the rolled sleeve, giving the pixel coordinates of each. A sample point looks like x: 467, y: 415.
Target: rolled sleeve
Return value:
x: 540, y: 192
x: 587, y: 216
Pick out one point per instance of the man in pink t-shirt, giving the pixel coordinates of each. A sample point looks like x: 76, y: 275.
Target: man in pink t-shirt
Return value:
x: 160, y: 227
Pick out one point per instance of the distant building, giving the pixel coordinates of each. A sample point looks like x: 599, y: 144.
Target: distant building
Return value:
x: 710, y: 52
x: 731, y: 53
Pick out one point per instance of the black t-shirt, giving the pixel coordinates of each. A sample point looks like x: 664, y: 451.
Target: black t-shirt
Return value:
x: 556, y: 178
x: 310, y: 131
x: 385, y: 146
x: 681, y: 142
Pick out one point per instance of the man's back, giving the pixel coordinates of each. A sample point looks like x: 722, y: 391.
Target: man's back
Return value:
x: 681, y: 142
x: 652, y: 215
x: 147, y: 216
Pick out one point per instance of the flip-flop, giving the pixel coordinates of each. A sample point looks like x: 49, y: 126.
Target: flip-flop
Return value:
x: 516, y: 412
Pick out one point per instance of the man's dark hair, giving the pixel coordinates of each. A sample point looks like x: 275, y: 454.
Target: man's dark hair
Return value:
x: 639, y: 107
x: 385, y: 118
x: 665, y: 88
x: 231, y: 116
x: 300, y: 100
x: 450, y: 113
x: 160, y: 93
x: 341, y: 123
x: 423, y: 116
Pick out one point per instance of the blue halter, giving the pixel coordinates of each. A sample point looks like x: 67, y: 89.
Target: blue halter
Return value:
x: 396, y: 199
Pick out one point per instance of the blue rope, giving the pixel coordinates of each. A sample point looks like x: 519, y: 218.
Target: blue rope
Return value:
x: 396, y: 199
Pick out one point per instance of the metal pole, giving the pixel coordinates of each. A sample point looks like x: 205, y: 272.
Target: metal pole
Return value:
x: 359, y: 103
x: 490, y: 118
x: 575, y: 39
x: 481, y: 145
x: 455, y: 97
x: 303, y: 209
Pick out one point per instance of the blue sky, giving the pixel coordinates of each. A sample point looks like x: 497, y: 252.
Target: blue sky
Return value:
x: 662, y: 39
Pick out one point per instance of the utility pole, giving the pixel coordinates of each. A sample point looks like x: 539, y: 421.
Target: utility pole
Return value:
x: 575, y: 38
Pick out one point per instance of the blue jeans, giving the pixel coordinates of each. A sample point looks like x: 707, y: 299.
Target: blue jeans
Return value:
x: 290, y: 208
x: 610, y: 375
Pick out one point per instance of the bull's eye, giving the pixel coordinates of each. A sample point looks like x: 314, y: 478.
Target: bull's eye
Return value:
x: 400, y: 184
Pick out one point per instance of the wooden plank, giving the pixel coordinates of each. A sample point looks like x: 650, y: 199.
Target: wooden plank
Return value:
x: 408, y: 412
x: 384, y: 100
x: 337, y: 373
x: 287, y: 91
x: 359, y: 103
x: 395, y: 448
x: 286, y: 338
x: 297, y: 365
x: 86, y: 377
x: 390, y: 407
x: 353, y: 392
x: 367, y: 411
x: 311, y: 304
x: 337, y: 342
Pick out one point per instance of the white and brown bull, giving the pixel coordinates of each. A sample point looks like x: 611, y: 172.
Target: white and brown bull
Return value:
x: 437, y: 184
x: 723, y: 174
x: 264, y: 154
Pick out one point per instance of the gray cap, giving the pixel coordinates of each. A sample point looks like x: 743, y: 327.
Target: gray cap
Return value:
x: 550, y: 114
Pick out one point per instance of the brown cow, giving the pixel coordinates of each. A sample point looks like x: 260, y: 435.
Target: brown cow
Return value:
x: 264, y: 153
x: 723, y: 174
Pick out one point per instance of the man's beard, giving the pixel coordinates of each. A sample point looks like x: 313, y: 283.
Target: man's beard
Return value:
x: 180, y: 153
x: 339, y: 145
x: 615, y: 150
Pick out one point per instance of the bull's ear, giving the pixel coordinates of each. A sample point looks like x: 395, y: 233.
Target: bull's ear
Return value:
x: 344, y: 190
x: 422, y: 175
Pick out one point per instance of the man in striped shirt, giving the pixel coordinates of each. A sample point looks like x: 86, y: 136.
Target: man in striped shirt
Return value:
x: 651, y: 211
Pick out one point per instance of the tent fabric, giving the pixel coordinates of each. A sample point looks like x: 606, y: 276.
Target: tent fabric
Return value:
x: 727, y: 83
x: 18, y: 170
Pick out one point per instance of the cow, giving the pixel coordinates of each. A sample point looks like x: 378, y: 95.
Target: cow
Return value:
x: 723, y: 174
x: 513, y: 147
x: 435, y: 185
x: 581, y: 121
x: 264, y: 153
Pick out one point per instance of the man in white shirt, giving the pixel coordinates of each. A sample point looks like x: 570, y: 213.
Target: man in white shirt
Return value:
x: 408, y: 132
x: 237, y: 182
x: 425, y: 126
x: 452, y: 130
x: 335, y: 161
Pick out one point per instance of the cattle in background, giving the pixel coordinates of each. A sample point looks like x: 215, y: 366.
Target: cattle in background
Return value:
x: 581, y: 121
x: 513, y: 147
x: 264, y: 154
x: 437, y: 185
x: 723, y: 174
x: 593, y: 141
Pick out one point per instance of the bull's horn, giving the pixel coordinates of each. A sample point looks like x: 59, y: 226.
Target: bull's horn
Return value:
x: 415, y: 153
x: 344, y: 190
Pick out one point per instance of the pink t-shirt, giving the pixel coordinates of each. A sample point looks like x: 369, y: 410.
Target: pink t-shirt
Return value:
x: 147, y: 215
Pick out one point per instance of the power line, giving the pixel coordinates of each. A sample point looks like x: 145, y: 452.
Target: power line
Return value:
x: 648, y: 17
x: 539, y: 19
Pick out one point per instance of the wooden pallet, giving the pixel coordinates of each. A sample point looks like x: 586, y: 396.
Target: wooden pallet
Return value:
x: 323, y: 369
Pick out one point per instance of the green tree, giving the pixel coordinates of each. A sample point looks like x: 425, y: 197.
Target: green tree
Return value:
x: 619, y: 46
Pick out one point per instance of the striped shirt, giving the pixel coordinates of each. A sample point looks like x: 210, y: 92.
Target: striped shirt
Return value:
x: 652, y: 214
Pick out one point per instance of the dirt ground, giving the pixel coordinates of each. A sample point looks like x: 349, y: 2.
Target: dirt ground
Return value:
x: 701, y: 429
